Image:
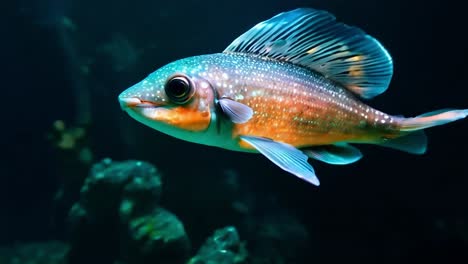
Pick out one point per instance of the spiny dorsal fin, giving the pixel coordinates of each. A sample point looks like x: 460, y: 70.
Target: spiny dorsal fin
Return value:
x: 313, y: 39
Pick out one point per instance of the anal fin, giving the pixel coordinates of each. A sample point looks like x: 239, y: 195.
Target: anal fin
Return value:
x: 414, y: 143
x: 338, y: 154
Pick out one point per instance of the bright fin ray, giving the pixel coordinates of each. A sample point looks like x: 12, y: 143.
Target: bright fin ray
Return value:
x: 237, y: 112
x: 285, y: 156
x: 435, y: 118
x: 315, y: 40
x: 338, y: 154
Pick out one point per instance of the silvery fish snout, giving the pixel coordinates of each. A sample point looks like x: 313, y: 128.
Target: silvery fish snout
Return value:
x: 140, y: 95
x: 130, y: 97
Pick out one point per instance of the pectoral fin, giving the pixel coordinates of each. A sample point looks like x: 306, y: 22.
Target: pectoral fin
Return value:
x: 338, y: 154
x: 285, y: 156
x: 237, y: 112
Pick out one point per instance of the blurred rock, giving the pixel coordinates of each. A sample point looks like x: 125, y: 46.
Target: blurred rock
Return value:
x: 159, y: 237
x: 118, y: 218
x: 224, y: 247
x: 137, y: 184
x: 73, y: 158
x: 49, y: 252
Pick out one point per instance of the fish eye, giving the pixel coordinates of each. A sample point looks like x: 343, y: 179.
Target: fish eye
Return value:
x: 179, y: 89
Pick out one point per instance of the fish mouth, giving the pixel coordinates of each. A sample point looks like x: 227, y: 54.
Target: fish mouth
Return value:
x: 134, y: 102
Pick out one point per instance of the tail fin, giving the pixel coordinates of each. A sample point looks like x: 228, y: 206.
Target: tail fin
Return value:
x: 413, y: 140
x: 431, y: 119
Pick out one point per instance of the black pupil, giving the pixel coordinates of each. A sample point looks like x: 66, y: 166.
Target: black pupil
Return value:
x: 178, y: 87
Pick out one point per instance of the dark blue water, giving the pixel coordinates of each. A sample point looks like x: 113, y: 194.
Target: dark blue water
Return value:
x: 68, y: 60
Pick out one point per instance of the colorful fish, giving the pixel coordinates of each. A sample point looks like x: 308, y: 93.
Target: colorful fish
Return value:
x: 289, y: 89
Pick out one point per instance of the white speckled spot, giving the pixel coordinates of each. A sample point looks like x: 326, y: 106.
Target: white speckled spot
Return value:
x: 204, y: 85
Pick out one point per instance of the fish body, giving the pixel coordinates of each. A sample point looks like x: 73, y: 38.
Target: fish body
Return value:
x: 285, y: 89
x: 296, y: 105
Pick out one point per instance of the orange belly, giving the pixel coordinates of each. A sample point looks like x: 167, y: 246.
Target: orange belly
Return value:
x: 306, y: 122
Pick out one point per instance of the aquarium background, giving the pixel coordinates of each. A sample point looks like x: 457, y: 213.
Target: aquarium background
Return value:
x: 65, y: 62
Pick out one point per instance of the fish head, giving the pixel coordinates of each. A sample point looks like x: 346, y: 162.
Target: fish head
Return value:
x: 174, y: 100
